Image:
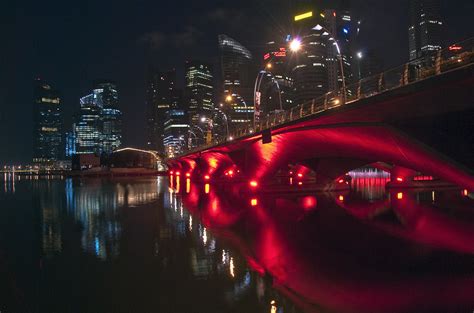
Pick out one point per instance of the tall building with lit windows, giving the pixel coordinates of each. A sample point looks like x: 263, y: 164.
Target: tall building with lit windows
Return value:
x: 238, y: 72
x: 47, y: 139
x: 425, y: 28
x: 161, y: 96
x: 199, y: 91
x: 275, y: 91
x: 98, y: 126
x: 176, y: 132
x: 327, y: 31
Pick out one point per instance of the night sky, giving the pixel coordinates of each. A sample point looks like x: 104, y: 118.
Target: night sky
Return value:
x: 72, y: 43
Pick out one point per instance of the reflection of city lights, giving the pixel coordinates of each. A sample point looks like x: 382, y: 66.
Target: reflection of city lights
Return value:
x: 190, y: 223
x: 204, y: 236
x: 273, y: 308
x: 207, y: 188
x: 231, y: 267
x: 188, y: 185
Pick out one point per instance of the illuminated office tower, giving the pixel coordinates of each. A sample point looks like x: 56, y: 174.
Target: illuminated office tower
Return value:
x: 238, y: 74
x: 161, y: 96
x: 425, y: 28
x: 199, y: 92
x: 47, y: 139
x: 277, y: 82
x: 111, y: 116
x: 88, y: 126
x: 176, y: 130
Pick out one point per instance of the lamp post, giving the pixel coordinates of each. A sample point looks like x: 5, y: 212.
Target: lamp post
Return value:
x: 296, y: 45
x: 226, y: 122
x: 257, y: 94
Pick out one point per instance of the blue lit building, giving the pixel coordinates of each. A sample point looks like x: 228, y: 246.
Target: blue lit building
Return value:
x: 70, y: 142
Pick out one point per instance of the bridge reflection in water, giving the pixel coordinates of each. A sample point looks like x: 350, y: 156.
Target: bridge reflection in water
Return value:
x: 365, y: 250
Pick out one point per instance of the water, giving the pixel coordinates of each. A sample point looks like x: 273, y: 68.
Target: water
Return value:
x: 137, y: 245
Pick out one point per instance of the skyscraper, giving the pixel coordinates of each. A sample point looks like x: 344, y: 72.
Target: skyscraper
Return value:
x: 161, y: 96
x: 239, y: 74
x: 111, y: 116
x: 98, y: 127
x: 199, y: 92
x: 425, y: 29
x: 310, y: 68
x: 47, y: 138
x: 277, y: 82
x: 88, y: 126
x: 176, y: 131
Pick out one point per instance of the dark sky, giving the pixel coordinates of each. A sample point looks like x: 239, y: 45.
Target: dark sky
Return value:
x: 72, y: 43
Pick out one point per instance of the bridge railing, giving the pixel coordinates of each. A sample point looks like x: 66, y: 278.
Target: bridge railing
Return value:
x: 432, y: 64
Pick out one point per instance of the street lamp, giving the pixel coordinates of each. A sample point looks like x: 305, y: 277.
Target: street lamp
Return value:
x: 295, y: 45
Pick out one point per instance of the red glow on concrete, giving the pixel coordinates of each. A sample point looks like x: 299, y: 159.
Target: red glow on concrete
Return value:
x: 309, y: 202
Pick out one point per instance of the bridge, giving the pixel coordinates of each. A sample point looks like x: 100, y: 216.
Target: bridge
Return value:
x: 414, y: 121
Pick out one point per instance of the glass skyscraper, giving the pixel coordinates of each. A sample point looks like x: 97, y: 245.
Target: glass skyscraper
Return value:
x: 199, y: 92
x: 176, y: 132
x: 161, y: 96
x: 99, y: 125
x: 425, y: 29
x: 239, y: 73
x: 47, y: 139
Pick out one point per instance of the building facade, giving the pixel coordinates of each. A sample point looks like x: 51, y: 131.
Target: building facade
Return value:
x: 238, y: 73
x: 47, y: 137
x: 199, y: 92
x: 161, y: 96
x: 425, y: 29
x: 98, y: 127
x: 176, y: 132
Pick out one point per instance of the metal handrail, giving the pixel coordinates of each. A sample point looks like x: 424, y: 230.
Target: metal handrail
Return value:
x: 434, y: 64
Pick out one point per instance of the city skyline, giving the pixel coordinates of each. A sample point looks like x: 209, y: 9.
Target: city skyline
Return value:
x: 133, y: 104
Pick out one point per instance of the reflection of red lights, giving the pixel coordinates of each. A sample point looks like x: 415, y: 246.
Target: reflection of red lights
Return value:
x: 291, y: 180
x: 341, y: 198
x: 207, y: 177
x: 400, y: 195
x: 309, y: 202
x: 253, y: 202
x: 253, y: 183
x: 423, y: 178
x: 399, y: 179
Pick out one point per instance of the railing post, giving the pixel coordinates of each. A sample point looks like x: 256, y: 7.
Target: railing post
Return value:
x: 312, y: 107
x: 380, y: 83
x: 438, y: 62
x: 405, y: 75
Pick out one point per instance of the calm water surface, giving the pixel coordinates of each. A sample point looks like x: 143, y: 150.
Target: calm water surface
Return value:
x: 151, y: 245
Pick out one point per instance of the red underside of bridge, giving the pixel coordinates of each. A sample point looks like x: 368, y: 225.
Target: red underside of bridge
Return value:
x: 351, y: 136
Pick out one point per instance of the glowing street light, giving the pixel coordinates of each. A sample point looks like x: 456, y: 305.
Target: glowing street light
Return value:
x: 295, y: 45
x: 269, y: 66
x: 228, y: 98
